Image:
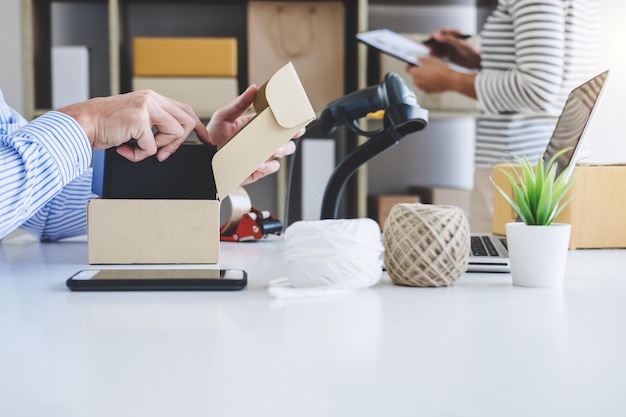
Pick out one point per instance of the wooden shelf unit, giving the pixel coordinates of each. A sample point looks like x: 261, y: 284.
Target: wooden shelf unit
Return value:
x: 128, y: 18
x: 224, y: 18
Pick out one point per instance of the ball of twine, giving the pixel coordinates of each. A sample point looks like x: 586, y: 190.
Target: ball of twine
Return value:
x: 340, y: 254
x: 426, y: 245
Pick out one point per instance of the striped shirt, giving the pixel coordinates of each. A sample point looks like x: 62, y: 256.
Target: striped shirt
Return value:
x: 45, y: 179
x: 533, y: 54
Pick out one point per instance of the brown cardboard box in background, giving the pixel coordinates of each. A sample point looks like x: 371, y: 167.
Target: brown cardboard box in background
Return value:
x: 596, y: 212
x: 379, y: 206
x: 135, y: 231
x: 443, y: 196
x: 201, y: 57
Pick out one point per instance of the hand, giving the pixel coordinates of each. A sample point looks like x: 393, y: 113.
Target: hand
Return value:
x: 114, y: 121
x: 227, y: 121
x: 446, y: 44
x: 432, y: 75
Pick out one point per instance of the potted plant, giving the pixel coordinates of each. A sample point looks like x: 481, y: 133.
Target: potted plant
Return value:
x: 537, y: 245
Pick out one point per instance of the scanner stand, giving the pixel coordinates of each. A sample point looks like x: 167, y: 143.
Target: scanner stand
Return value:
x: 399, y: 120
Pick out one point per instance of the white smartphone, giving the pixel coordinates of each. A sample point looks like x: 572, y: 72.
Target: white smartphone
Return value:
x: 158, y: 280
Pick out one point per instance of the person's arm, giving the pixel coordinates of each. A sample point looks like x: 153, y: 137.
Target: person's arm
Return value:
x: 157, y: 123
x: 435, y: 76
x: 37, y: 161
x: 533, y: 80
x: 65, y: 215
x: 454, y: 47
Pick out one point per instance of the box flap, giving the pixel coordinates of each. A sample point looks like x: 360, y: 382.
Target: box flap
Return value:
x: 283, y: 108
x: 285, y: 96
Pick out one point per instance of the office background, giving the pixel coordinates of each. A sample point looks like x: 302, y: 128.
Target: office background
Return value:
x: 608, y: 145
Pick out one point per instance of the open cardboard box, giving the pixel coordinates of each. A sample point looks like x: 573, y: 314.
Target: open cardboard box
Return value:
x: 596, y: 212
x: 159, y: 231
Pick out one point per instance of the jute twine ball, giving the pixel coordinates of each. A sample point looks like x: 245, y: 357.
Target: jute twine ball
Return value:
x: 426, y: 245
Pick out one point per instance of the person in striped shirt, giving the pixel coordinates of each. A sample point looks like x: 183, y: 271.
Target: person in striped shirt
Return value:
x: 532, y: 54
x: 45, y: 174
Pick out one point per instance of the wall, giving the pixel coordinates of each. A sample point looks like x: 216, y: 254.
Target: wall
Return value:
x: 607, y: 134
x: 11, y: 63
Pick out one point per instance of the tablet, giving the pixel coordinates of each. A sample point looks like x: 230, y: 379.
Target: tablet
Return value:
x: 394, y: 44
x: 400, y: 47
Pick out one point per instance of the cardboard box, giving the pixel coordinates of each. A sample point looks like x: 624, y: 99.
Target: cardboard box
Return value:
x: 124, y: 231
x: 201, y: 57
x: 596, y: 212
x: 379, y: 206
x: 139, y: 231
x: 443, y: 196
x: 203, y: 94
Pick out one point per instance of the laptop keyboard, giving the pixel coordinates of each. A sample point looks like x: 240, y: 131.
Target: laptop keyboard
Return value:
x: 482, y: 246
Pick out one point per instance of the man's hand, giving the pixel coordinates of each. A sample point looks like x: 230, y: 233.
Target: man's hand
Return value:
x: 114, y: 121
x: 229, y: 120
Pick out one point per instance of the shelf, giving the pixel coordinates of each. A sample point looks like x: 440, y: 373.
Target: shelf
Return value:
x: 116, y: 22
x: 126, y: 19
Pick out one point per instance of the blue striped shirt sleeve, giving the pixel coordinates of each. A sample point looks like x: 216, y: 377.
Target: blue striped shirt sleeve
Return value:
x: 44, y: 174
x: 65, y: 215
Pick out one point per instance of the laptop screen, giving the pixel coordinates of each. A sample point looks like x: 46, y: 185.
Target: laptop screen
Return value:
x: 572, y: 122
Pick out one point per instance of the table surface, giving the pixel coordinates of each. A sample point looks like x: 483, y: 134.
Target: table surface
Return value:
x: 480, y: 347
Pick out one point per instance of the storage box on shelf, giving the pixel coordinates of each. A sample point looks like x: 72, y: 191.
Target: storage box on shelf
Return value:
x: 201, y: 72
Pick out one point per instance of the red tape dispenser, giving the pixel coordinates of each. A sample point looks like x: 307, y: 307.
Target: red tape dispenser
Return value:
x: 246, y: 222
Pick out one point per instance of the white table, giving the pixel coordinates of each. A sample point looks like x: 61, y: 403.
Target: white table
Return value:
x: 478, y: 348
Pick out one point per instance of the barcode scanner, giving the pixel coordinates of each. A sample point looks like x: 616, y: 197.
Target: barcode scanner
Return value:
x: 392, y: 95
x: 402, y: 116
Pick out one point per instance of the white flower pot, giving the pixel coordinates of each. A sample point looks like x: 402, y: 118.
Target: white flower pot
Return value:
x: 538, y: 254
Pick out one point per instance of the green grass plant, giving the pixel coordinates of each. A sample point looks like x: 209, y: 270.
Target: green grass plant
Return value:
x: 537, y: 190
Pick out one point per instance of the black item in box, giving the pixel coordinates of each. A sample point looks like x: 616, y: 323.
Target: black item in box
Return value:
x: 186, y: 175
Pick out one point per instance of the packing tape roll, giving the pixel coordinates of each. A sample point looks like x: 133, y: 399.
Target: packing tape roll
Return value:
x: 240, y: 204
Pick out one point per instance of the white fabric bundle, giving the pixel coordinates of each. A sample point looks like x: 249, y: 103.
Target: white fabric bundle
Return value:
x: 327, y: 257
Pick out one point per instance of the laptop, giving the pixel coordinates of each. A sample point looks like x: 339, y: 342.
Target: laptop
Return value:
x: 489, y: 252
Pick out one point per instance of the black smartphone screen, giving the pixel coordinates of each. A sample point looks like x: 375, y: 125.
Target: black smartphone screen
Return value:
x: 158, y: 280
